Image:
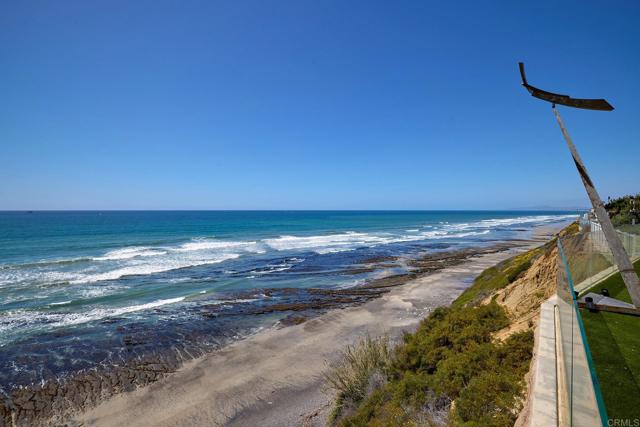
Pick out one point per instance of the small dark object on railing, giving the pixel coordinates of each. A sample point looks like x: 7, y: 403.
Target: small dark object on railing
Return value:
x: 576, y: 294
x: 590, y: 305
x: 604, y: 292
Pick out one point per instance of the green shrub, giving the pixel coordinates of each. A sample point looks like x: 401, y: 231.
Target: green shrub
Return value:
x: 492, y: 398
x: 488, y: 400
x: 352, y: 374
x: 451, y: 356
x: 623, y: 209
x: 447, y: 330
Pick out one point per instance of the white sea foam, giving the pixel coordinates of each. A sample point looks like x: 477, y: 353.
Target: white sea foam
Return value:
x: 18, y: 319
x: 435, y: 234
x: 21, y: 318
x: 20, y: 278
x: 505, y: 222
x: 100, y: 313
x: 525, y: 220
x: 61, y: 303
x: 195, y: 245
x: 326, y: 243
x: 131, y: 252
x: 236, y: 301
x: 275, y: 268
x: 470, y: 233
x: 95, y: 291
x: 210, y: 244
x: 182, y: 279
x: 350, y: 284
x: 242, y: 300
x: 323, y: 251
x: 232, y: 301
x: 331, y: 243
x: 442, y: 234
x: 145, y: 260
x: 160, y: 266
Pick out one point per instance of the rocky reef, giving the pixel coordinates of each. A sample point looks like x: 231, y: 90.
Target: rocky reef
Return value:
x: 145, y: 356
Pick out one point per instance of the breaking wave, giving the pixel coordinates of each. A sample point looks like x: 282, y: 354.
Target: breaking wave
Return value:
x: 326, y: 243
x: 20, y: 318
x: 128, y: 253
x: 148, y: 260
x: 151, y: 268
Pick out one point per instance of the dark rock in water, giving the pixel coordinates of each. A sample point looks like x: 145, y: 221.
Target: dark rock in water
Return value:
x: 58, y: 399
x: 110, y: 320
x: 390, y: 281
x: 54, y: 385
x: 380, y: 259
x: 293, y: 320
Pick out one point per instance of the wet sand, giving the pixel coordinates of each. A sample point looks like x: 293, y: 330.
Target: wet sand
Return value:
x: 274, y: 378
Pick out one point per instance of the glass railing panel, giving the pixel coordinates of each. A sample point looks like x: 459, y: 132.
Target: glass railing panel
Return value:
x: 630, y: 237
x: 588, y: 256
x: 579, y: 399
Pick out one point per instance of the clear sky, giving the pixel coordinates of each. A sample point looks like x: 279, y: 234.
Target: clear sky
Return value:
x: 312, y: 104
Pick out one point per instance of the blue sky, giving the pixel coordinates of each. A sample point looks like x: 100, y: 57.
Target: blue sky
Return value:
x: 312, y: 104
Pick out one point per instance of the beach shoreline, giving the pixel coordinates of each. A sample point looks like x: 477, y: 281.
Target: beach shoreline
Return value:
x: 274, y: 377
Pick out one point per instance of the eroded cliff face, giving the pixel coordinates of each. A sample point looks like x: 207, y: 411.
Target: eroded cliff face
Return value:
x: 522, y: 298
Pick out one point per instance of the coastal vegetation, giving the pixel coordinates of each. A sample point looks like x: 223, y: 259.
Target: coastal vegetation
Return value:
x: 624, y: 209
x: 360, y: 365
x: 451, y: 357
x: 458, y: 368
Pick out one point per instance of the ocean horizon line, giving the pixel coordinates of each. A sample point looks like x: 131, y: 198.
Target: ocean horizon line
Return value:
x: 568, y: 209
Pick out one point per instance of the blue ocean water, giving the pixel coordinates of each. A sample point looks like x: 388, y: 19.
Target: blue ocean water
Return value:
x: 72, y: 282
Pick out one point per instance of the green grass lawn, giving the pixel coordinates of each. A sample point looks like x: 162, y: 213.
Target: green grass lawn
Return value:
x: 614, y: 340
x: 615, y: 285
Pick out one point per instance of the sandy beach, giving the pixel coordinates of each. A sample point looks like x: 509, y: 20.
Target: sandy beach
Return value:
x: 274, y: 377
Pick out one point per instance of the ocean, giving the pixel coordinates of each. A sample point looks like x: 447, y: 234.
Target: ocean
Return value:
x: 84, y: 289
